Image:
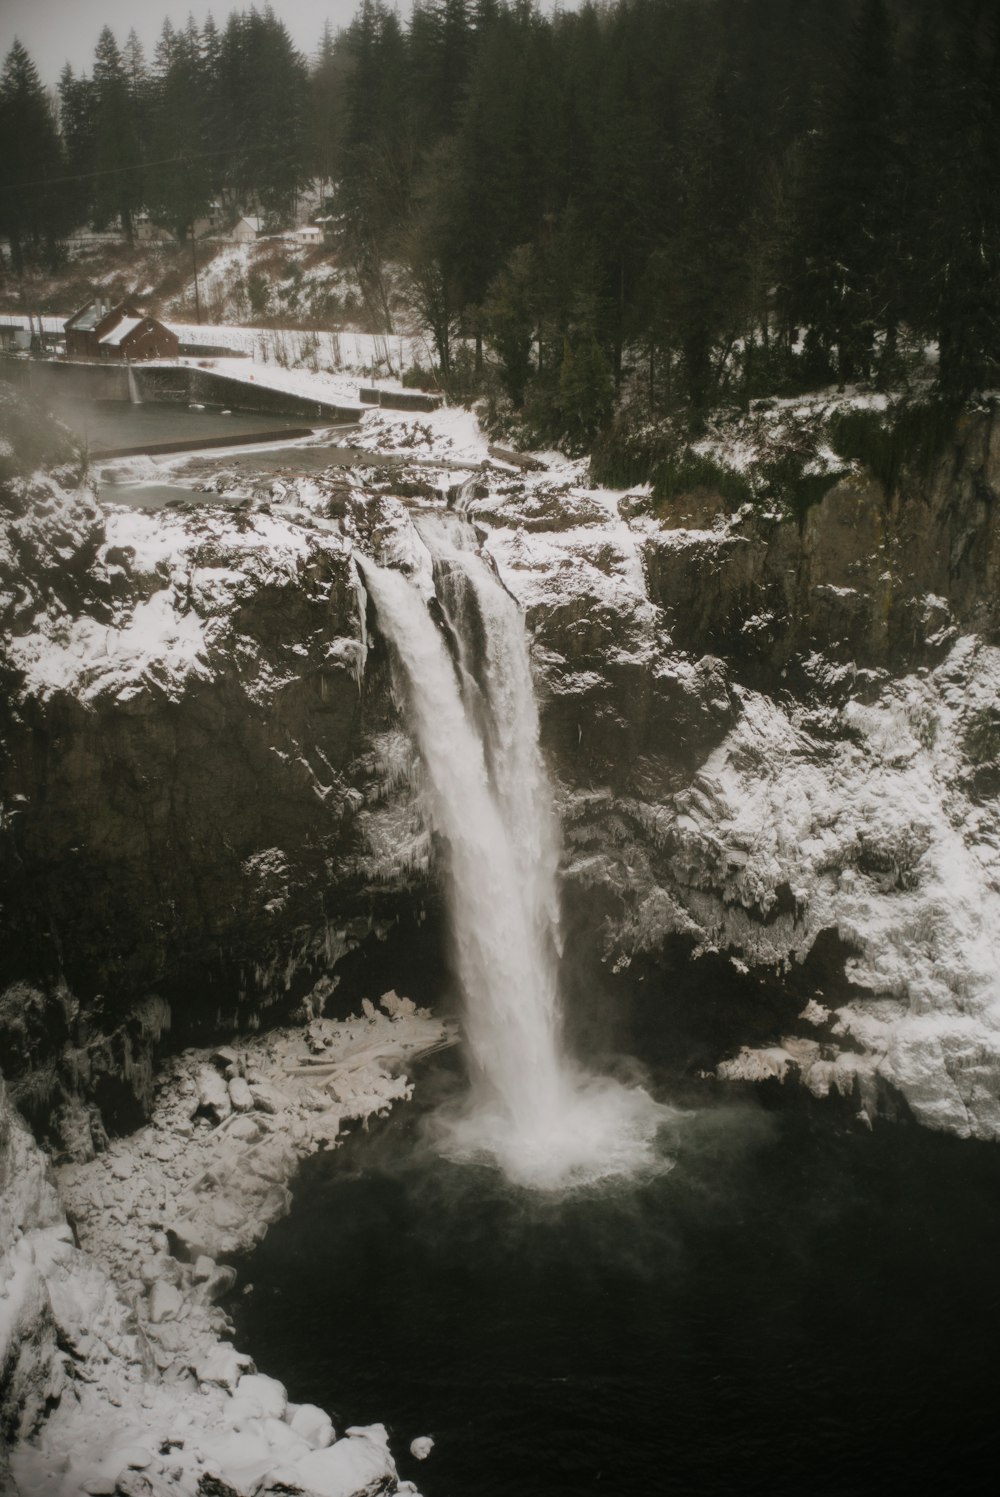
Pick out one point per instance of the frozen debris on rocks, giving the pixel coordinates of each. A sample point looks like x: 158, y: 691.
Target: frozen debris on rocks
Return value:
x: 822, y: 1069
x: 815, y: 1013
x: 396, y: 1007
x: 124, y: 1337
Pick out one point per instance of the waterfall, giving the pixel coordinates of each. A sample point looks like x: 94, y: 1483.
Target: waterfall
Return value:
x: 133, y: 387
x: 475, y: 722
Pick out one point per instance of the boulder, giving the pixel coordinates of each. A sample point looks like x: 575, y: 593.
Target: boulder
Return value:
x: 164, y: 1302
x: 268, y: 1098
x: 240, y: 1095
x: 266, y: 1394
x: 213, y: 1095
x: 219, y: 1283
x: 204, y: 1267
x: 224, y: 1366
x: 132, y: 1483
x: 314, y: 1426
x: 359, y: 1463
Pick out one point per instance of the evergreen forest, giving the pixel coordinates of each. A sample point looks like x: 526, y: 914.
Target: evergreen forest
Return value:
x: 703, y: 200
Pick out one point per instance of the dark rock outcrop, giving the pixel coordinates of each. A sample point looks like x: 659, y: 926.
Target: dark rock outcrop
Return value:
x: 869, y: 577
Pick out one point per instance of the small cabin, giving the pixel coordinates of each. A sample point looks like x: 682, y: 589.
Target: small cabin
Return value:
x: 247, y: 229
x: 99, y: 331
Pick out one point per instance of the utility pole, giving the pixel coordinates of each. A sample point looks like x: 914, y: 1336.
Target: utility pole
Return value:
x: 194, y: 262
x: 198, y: 301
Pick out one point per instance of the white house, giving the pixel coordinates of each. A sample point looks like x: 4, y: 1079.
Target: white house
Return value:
x: 249, y: 228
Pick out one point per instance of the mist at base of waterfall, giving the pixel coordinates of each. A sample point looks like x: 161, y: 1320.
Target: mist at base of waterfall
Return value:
x: 591, y: 1128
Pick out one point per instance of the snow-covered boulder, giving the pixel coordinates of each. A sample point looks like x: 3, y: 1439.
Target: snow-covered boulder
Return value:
x: 358, y: 1464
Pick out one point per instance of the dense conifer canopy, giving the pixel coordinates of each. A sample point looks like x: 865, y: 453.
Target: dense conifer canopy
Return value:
x: 736, y: 196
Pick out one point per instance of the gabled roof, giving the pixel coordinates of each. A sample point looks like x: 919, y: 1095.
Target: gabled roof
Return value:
x: 117, y: 335
x: 96, y: 312
x: 86, y: 319
x: 257, y: 224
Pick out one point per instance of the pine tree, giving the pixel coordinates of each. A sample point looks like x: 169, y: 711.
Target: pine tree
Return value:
x: 500, y: 149
x: 325, y: 84
x: 31, y: 211
x: 217, y: 122
x: 849, y: 291
x: 263, y: 79
x: 586, y: 392
x: 76, y: 127
x: 118, y: 183
x: 955, y: 219
x: 432, y: 280
x: 510, y: 316
x: 376, y: 149
x: 180, y: 186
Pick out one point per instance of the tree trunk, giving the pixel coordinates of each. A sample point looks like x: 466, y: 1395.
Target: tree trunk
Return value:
x: 620, y: 334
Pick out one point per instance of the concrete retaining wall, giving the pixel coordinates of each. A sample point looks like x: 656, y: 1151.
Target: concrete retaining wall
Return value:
x: 239, y: 395
x: 169, y: 382
x: 399, y: 400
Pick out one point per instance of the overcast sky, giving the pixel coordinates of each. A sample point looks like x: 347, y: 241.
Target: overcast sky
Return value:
x: 60, y: 31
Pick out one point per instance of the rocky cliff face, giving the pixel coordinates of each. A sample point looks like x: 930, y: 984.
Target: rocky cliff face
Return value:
x: 778, y: 740
x: 30, y: 1215
x: 771, y: 737
x: 188, y: 736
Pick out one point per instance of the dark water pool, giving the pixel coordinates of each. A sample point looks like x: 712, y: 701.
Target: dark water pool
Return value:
x: 106, y: 424
x: 796, y: 1307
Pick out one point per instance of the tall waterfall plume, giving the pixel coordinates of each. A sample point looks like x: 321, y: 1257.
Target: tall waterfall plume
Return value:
x: 475, y: 721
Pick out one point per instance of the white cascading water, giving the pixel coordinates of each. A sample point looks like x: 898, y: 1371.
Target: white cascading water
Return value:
x: 476, y: 728
x: 134, y: 394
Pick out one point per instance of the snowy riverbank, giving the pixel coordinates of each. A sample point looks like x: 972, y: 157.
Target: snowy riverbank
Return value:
x: 152, y: 1397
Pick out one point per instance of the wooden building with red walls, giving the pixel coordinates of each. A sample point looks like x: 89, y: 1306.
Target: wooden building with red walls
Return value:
x: 119, y: 334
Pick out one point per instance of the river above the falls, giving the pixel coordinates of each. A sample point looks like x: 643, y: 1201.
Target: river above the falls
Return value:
x: 796, y: 1306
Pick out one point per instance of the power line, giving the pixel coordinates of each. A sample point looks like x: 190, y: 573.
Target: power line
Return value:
x: 110, y: 171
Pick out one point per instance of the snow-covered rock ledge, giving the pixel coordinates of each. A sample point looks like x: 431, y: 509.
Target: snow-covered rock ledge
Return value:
x: 115, y: 1372
x: 876, y: 823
